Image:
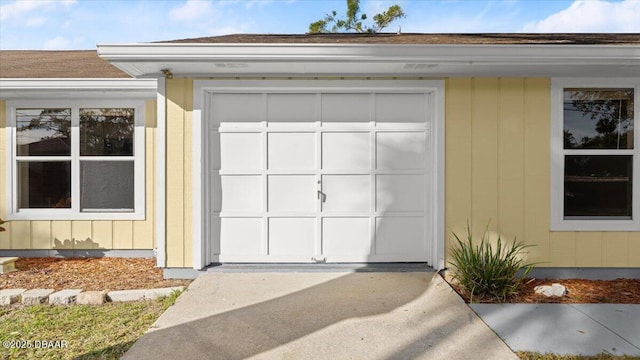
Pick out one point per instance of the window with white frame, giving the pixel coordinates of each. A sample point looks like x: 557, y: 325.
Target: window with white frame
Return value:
x: 594, y: 156
x: 76, y: 161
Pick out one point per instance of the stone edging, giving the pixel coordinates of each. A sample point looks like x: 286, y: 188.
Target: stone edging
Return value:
x: 77, y: 296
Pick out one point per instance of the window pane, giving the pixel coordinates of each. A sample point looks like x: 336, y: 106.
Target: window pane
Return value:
x: 44, y: 184
x: 45, y: 132
x: 105, y: 132
x: 598, y: 118
x: 106, y: 185
x: 598, y: 185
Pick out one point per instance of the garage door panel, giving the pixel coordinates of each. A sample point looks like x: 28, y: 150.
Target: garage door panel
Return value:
x: 400, y: 235
x: 346, y: 109
x: 241, y: 151
x: 292, y: 193
x: 400, y: 150
x: 292, y: 236
x: 241, y: 236
x: 237, y: 109
x: 299, y: 109
x: 346, y: 151
x: 348, y: 193
x: 274, y: 150
x: 346, y: 236
x: 400, y: 108
x: 400, y: 193
x: 240, y: 193
x: 291, y: 151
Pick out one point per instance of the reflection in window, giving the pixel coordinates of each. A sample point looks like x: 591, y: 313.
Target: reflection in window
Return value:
x: 43, y: 132
x: 106, y: 132
x: 44, y: 184
x: 598, y: 186
x: 598, y: 118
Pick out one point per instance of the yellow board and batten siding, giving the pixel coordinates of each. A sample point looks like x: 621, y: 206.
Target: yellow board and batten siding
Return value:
x: 64, y: 234
x: 179, y: 94
x: 498, y: 170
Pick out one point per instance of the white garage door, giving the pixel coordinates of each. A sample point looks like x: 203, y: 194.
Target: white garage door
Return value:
x: 319, y: 176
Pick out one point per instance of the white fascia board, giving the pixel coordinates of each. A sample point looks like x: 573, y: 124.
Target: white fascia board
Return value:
x: 77, y: 87
x: 490, y: 54
x: 147, y: 60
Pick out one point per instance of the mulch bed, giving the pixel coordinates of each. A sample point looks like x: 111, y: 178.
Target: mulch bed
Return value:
x: 579, y: 291
x: 109, y: 273
x: 106, y: 273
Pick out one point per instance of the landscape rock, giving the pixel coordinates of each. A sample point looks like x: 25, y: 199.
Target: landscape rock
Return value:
x: 151, y: 294
x: 141, y: 294
x: 10, y: 296
x: 7, y: 264
x: 126, y: 295
x: 91, y: 298
x: 64, y: 297
x: 36, y: 296
x: 553, y: 290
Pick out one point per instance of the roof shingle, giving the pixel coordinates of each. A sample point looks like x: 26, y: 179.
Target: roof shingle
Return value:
x: 56, y: 64
x: 426, y: 39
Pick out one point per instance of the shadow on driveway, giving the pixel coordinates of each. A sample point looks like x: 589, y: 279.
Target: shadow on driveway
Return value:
x: 319, y: 315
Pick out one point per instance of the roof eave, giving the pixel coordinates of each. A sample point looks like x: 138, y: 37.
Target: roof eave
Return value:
x: 136, y: 59
x: 77, y: 87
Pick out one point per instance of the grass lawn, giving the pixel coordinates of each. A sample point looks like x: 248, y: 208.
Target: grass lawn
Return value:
x: 604, y: 356
x: 77, y: 331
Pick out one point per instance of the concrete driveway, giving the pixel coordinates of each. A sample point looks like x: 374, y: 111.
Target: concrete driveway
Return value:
x: 320, y: 315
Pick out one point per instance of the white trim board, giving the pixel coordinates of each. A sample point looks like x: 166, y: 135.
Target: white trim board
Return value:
x: 77, y: 88
x: 234, y: 59
x: 161, y: 175
x: 201, y: 251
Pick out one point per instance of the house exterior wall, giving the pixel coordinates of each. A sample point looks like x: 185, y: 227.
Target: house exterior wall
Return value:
x: 179, y: 220
x: 65, y: 235
x: 498, y: 169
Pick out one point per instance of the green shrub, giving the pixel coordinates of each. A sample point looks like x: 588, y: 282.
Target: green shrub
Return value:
x: 489, y: 272
x: 1, y: 223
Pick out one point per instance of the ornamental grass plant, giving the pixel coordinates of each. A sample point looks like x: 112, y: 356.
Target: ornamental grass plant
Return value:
x: 491, y: 273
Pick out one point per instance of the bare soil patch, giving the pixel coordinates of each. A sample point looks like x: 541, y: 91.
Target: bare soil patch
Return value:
x: 579, y: 291
x: 106, y: 273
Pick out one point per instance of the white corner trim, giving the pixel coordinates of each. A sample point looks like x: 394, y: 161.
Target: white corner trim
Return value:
x: 438, y: 232
x: 161, y: 175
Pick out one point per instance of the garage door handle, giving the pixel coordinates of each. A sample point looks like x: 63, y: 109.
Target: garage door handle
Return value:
x: 322, y: 196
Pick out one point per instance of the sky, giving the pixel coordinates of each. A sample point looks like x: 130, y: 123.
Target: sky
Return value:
x: 82, y: 24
